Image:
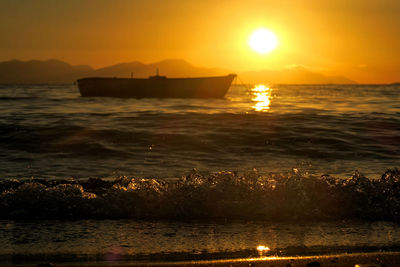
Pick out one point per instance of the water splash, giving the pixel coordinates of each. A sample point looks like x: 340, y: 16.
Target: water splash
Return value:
x: 224, y: 195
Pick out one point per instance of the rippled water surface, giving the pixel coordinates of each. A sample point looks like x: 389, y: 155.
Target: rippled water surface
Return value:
x: 52, y: 132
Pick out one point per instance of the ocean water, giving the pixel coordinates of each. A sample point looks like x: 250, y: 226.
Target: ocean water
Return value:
x: 300, y: 169
x: 52, y: 132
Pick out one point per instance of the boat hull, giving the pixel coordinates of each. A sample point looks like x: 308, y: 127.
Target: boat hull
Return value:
x: 156, y: 87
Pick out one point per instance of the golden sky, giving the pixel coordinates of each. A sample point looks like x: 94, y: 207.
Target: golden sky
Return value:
x: 359, y: 39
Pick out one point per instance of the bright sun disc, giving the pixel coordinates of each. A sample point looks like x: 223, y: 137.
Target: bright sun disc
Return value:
x: 263, y: 41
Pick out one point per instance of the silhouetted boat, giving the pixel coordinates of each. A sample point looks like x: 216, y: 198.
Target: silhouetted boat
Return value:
x: 156, y: 87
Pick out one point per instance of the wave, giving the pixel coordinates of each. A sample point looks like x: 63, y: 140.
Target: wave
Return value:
x: 220, y: 196
x: 290, y: 134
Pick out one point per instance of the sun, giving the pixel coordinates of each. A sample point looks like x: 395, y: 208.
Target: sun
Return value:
x: 263, y: 41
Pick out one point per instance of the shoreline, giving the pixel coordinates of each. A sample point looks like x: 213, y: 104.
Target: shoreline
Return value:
x: 372, y: 259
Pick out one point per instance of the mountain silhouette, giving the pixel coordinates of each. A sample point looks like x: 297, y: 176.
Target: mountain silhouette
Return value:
x: 293, y: 75
x: 169, y: 67
x: 58, y: 72
x: 40, y: 72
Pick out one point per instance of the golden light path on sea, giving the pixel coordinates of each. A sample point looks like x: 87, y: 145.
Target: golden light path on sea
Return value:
x: 261, y: 98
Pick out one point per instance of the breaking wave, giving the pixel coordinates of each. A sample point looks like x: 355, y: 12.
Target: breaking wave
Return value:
x: 219, y: 196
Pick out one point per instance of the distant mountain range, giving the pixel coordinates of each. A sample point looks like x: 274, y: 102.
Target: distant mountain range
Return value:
x: 293, y: 75
x: 59, y: 72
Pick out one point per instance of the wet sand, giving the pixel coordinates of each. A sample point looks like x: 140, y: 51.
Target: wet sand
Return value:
x: 342, y: 260
x: 339, y: 260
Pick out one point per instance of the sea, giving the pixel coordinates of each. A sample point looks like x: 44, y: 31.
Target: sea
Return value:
x: 269, y: 170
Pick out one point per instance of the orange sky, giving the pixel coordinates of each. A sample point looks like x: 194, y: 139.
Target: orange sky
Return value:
x: 359, y: 39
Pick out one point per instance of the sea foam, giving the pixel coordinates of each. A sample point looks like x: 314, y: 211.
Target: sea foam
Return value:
x: 220, y: 196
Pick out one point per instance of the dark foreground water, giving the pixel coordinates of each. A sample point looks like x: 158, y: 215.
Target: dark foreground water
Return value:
x: 108, y: 242
x: 266, y: 159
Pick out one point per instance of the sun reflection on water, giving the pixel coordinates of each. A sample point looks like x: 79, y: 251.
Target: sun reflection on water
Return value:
x: 262, y: 98
x: 262, y: 250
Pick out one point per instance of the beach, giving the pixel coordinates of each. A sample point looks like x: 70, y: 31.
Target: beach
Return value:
x: 131, y: 242
x: 343, y: 260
